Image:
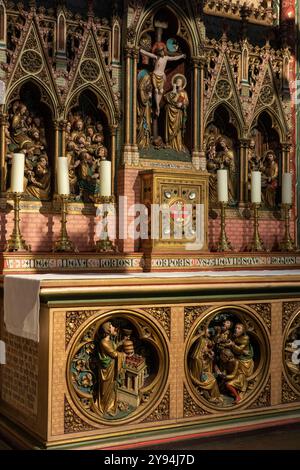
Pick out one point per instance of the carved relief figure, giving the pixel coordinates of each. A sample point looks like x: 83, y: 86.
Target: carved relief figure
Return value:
x: 270, y: 172
x: 27, y: 135
x: 162, y: 103
x: 158, y: 76
x: 254, y: 163
x: 201, y: 367
x: 144, y: 109
x: 292, y: 353
x: 226, y: 159
x: 222, y: 363
x: 176, y: 114
x: 219, y: 155
x: 111, y: 366
x: 84, y: 145
x: 116, y: 368
x: 39, y: 180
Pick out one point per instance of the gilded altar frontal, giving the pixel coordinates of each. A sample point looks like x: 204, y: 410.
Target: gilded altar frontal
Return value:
x: 150, y: 269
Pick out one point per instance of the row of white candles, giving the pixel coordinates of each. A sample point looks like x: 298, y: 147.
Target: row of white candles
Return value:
x: 222, y: 177
x: 63, y: 183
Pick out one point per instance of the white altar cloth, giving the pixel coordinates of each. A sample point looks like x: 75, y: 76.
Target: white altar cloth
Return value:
x: 22, y: 299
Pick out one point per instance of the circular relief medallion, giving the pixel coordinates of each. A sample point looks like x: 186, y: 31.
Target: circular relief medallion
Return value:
x: 227, y: 358
x: 89, y: 70
x: 223, y: 89
x: 117, y: 367
x: 267, y: 95
x: 31, y: 61
x: 291, y: 358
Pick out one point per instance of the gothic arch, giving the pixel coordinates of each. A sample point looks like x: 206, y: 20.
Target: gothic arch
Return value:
x: 47, y: 97
x: 277, y: 125
x: 191, y: 37
x: 103, y: 103
x: 235, y: 119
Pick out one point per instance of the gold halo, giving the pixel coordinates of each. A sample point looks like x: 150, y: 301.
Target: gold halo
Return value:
x: 179, y: 75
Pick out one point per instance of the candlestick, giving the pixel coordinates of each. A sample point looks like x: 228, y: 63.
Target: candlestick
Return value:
x: 63, y: 182
x: 16, y: 241
x: 224, y: 244
x: 105, y: 178
x: 105, y: 245
x: 222, y: 177
x: 64, y: 244
x: 257, y: 243
x: 17, y: 173
x: 287, y: 243
x: 287, y: 189
x: 256, y: 187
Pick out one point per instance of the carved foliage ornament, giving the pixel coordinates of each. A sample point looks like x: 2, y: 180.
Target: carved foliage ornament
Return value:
x: 190, y: 407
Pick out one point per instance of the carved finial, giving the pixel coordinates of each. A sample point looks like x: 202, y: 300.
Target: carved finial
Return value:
x: 225, y: 28
x: 90, y: 8
x: 32, y: 4
x: 60, y: 3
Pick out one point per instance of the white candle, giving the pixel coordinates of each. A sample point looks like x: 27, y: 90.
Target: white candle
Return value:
x: 63, y: 183
x: 105, y: 178
x: 222, y: 176
x: 2, y: 92
x: 287, y: 188
x: 256, y: 187
x: 17, y: 173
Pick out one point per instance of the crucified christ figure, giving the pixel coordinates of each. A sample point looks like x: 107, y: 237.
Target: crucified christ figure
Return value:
x: 158, y: 75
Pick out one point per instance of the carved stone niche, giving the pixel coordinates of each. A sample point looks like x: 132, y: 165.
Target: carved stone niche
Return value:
x: 177, y: 206
x: 117, y: 368
x: 291, y: 353
x: 227, y: 359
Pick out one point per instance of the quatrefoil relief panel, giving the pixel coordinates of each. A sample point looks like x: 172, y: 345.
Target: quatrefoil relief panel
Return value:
x: 31, y: 61
x: 223, y: 90
x: 89, y: 70
x: 267, y: 95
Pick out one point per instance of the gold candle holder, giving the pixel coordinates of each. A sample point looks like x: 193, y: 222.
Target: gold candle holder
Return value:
x: 105, y: 245
x: 287, y: 243
x: 257, y: 243
x: 64, y: 244
x: 224, y: 244
x: 16, y: 241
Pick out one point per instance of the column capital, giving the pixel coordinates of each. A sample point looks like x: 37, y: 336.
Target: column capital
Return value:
x: 131, y: 51
x: 244, y: 142
x: 113, y: 129
x: 286, y: 146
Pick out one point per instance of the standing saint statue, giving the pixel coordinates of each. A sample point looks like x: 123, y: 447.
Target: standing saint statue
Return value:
x: 144, y: 109
x: 111, y: 365
x: 158, y: 76
x: 226, y: 158
x: 269, y: 180
x: 176, y: 114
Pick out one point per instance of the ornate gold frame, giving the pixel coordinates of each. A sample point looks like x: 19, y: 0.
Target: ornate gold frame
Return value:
x: 286, y: 334
x: 158, y: 386
x: 265, y: 350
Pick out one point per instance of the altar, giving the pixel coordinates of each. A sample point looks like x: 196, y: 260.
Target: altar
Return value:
x: 149, y: 242
x: 49, y: 386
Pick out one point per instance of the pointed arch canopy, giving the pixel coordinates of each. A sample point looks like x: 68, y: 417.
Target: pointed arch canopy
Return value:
x: 103, y: 101
x: 171, y: 5
x: 50, y: 100
x: 277, y: 124
x: 235, y: 119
